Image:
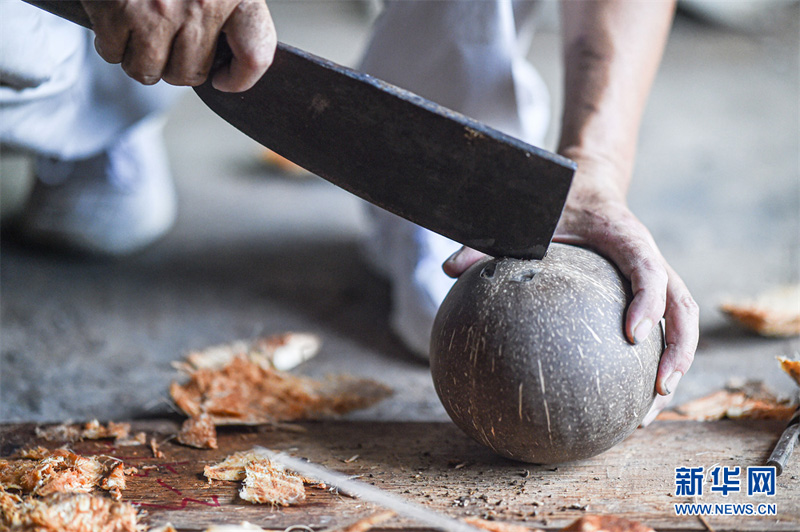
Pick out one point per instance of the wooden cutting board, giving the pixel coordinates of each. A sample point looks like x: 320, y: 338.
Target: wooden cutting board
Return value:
x: 436, y: 465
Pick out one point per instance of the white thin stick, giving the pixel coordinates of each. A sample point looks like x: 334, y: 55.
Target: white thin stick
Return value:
x: 368, y: 493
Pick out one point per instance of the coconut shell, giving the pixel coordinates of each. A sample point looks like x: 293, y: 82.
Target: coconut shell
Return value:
x: 530, y: 357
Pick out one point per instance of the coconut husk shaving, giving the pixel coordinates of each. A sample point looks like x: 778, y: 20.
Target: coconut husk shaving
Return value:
x: 498, y: 526
x: 66, y: 512
x: 606, y: 523
x: 199, y: 431
x: 247, y: 392
x: 791, y: 367
x: 772, y: 313
x: 366, y: 523
x: 752, y: 400
x: 244, y: 393
x: 263, y: 481
x: 92, y: 430
x: 279, y: 351
x: 43, y: 472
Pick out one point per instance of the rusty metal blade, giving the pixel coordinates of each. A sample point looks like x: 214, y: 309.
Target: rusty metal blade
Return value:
x: 419, y: 160
x: 437, y: 168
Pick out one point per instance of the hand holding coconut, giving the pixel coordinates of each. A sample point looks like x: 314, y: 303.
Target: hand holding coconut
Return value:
x: 611, y: 52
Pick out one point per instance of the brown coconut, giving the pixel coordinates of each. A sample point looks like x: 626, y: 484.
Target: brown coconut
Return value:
x: 530, y: 357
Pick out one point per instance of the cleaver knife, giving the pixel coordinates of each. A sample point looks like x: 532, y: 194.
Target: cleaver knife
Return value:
x: 421, y: 161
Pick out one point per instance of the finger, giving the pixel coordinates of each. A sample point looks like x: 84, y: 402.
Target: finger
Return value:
x: 111, y: 28
x: 192, y: 51
x: 251, y: 35
x: 634, y: 252
x: 659, y: 404
x: 147, y: 52
x: 682, y: 332
x: 649, y: 280
x: 459, y: 261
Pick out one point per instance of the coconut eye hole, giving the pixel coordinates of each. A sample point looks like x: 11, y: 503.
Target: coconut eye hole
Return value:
x: 525, y: 276
x: 488, y: 271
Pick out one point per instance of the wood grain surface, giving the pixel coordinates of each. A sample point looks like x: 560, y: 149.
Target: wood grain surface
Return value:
x: 434, y: 464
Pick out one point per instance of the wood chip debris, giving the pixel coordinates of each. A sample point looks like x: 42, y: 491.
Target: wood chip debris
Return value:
x: 92, y: 430
x: 114, y: 481
x: 498, y: 526
x: 773, y: 313
x: 232, y: 467
x: 66, y: 512
x: 606, y: 523
x: 53, y: 493
x: 247, y: 392
x: 280, y: 351
x: 43, y: 472
x: 263, y: 481
x: 163, y: 528
x: 752, y: 400
x: 154, y: 449
x: 791, y: 367
x: 199, y: 431
x: 366, y: 523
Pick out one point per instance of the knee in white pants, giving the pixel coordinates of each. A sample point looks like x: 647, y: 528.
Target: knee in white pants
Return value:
x: 464, y: 55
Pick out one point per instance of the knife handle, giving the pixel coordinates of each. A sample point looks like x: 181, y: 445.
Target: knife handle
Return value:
x: 786, y: 443
x: 73, y: 11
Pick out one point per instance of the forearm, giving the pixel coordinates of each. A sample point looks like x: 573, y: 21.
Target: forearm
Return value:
x: 612, y: 49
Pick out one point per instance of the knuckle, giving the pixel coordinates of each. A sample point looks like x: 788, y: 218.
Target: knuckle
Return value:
x: 682, y: 357
x: 212, y: 8
x: 688, y: 305
x: 160, y: 7
x: 188, y: 75
x: 142, y: 75
x: 652, y: 267
x: 192, y: 80
x: 255, y: 60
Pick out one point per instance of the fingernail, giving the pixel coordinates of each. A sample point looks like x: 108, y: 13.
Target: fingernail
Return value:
x: 642, y: 330
x: 454, y: 256
x: 672, y: 382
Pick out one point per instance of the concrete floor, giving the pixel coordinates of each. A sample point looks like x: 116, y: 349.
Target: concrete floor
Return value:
x: 717, y: 182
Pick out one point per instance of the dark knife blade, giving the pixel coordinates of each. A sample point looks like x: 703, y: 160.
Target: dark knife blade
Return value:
x: 399, y: 151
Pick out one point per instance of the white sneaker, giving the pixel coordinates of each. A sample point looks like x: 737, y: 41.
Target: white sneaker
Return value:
x: 114, y: 203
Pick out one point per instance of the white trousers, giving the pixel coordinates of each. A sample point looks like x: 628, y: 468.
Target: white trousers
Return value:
x: 468, y: 56
x: 57, y: 96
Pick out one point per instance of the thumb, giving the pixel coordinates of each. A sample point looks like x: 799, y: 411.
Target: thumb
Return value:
x: 459, y: 261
